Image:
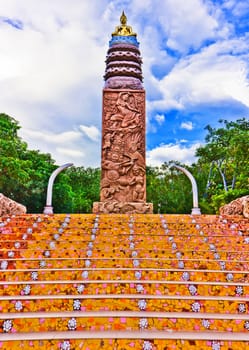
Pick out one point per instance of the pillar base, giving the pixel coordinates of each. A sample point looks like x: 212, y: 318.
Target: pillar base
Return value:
x: 196, y: 211
x: 48, y: 209
x: 115, y: 207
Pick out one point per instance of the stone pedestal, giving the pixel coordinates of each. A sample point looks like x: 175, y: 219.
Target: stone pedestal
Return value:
x: 122, y: 208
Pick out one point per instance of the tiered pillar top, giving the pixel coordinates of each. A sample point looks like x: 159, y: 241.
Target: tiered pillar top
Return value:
x: 123, y: 61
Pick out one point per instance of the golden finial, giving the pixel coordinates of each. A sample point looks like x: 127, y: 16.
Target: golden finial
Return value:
x: 123, y: 29
x: 123, y: 19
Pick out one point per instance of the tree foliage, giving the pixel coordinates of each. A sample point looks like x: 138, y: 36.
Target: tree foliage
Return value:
x: 169, y: 189
x: 24, y: 175
x: 85, y: 184
x: 224, y: 160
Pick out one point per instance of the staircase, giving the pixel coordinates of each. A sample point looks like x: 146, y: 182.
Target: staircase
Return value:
x: 124, y: 282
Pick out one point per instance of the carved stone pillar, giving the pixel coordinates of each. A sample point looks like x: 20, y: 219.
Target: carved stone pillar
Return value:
x: 123, y: 180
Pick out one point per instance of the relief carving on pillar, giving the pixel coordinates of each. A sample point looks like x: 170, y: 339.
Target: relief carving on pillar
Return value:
x: 123, y: 146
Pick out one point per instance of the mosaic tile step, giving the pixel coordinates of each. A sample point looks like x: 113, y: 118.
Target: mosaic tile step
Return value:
x: 125, y: 274
x: 44, y: 229
x: 175, y: 288
x: 112, y: 302
x: 120, y: 340
x: 161, y: 248
x: 124, y: 253
x: 179, y: 223
x: 165, y: 241
x: 205, y: 262
x: 150, y: 262
x: 104, y: 321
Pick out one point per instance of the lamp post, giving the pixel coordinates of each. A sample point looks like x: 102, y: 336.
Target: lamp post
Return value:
x: 195, y: 210
x: 48, y: 209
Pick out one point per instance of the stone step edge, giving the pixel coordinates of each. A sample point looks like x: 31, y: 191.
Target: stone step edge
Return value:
x: 123, y: 296
x: 88, y: 281
x: 127, y: 314
x: 143, y: 334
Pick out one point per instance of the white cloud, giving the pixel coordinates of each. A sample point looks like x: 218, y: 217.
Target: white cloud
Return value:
x: 187, y: 29
x: 55, y: 138
x: 65, y: 147
x: 183, y: 24
x: 240, y: 8
x: 209, y: 76
x: 218, y: 73
x: 91, y: 132
x: 165, y: 153
x: 70, y: 152
x: 160, y: 118
x: 187, y: 125
x: 51, y: 70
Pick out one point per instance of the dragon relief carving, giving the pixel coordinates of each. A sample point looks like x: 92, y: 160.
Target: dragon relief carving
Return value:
x: 123, y: 147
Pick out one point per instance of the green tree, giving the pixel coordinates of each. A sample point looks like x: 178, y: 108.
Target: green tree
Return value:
x: 226, y: 151
x: 169, y: 189
x: 85, y: 184
x: 224, y: 160
x: 13, y: 169
x: 40, y: 169
x: 23, y: 173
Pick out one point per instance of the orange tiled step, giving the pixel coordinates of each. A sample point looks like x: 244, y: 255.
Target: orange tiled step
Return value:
x: 154, y: 222
x: 169, y: 242
x: 142, y: 234
x: 130, y: 344
x: 146, y: 234
x: 104, y: 250
x: 121, y: 344
x: 150, y: 249
x: 162, y: 243
x: 142, y: 238
x: 122, y: 253
x: 44, y: 230
x: 129, y: 302
x: 126, y: 287
x: 105, y: 321
x: 120, y: 340
x: 159, y: 245
x: 126, y: 273
x: 162, y: 262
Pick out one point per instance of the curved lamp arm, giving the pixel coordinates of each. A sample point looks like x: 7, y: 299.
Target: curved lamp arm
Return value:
x: 48, y: 209
x: 195, y: 210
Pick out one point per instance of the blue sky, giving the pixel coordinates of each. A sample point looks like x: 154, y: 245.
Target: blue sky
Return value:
x: 52, y: 61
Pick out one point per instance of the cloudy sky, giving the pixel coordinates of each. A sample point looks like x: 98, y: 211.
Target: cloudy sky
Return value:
x: 52, y: 61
